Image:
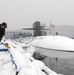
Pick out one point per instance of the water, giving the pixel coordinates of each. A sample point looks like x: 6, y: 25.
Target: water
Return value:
x: 62, y: 66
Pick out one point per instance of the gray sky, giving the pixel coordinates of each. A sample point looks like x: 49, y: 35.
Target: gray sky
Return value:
x: 23, y: 13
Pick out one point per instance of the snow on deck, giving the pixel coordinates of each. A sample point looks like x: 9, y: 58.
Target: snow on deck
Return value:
x: 54, y: 42
x: 6, y: 65
x: 21, y: 60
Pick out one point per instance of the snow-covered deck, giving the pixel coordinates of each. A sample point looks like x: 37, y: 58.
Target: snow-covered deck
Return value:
x: 21, y: 60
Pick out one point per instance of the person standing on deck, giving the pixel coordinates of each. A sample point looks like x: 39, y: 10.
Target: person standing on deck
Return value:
x: 2, y: 30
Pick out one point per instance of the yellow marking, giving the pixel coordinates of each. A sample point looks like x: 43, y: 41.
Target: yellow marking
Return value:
x: 6, y: 45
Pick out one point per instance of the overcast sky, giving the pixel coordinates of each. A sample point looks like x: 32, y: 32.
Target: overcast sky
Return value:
x: 23, y: 13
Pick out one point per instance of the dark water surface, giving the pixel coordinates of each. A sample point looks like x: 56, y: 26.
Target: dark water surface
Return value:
x: 62, y: 66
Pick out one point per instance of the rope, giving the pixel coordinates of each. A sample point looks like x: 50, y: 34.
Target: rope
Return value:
x: 13, y: 61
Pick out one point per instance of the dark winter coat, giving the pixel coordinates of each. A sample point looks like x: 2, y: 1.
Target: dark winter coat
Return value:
x: 2, y: 30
